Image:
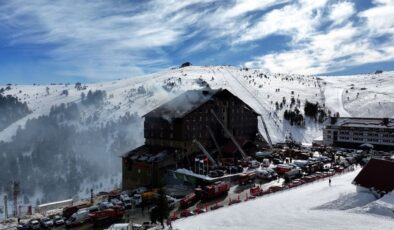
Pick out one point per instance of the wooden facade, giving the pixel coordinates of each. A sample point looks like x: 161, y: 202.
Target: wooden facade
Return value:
x: 189, y: 117
x: 180, y: 131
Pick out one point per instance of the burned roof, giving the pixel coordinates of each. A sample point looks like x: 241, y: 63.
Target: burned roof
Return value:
x: 148, y: 153
x: 361, y: 122
x: 186, y: 103
x: 377, y: 174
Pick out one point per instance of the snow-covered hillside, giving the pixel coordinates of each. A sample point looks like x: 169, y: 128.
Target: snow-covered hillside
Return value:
x: 82, y: 140
x: 312, y: 206
x: 258, y: 89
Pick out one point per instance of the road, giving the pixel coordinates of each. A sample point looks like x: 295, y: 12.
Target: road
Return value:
x: 334, y: 101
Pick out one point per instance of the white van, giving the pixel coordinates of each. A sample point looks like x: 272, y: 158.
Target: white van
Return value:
x: 119, y: 227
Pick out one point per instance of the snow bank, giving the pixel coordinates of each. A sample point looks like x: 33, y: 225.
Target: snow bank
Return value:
x: 349, y: 201
x: 292, y: 209
x: 384, y: 206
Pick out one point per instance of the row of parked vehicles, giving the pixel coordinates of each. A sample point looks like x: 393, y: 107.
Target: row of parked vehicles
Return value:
x: 43, y: 223
x: 110, y: 210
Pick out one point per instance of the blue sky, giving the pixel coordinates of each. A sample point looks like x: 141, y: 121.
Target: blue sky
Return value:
x: 43, y: 41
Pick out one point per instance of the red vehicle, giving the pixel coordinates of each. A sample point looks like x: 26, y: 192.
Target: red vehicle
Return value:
x: 68, y: 211
x: 214, y: 190
x: 188, y: 200
x: 338, y: 168
x: 106, y: 214
x: 186, y: 213
x: 256, y: 191
x: 246, y: 178
x: 216, y: 206
x: 282, y: 168
x: 199, y: 210
x: 275, y: 188
x: 295, y: 183
x: 235, y: 201
x: 174, y: 217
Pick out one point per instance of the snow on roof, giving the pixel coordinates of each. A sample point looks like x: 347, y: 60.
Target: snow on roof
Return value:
x: 61, y: 202
x: 361, y: 122
x: 183, y: 104
x: 187, y: 102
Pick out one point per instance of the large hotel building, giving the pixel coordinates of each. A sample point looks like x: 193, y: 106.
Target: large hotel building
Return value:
x: 355, y: 131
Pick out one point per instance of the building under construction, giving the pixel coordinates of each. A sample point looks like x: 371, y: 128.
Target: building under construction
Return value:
x: 196, y: 122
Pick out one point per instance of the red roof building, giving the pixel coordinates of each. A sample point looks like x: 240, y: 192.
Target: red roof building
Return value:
x: 377, y: 175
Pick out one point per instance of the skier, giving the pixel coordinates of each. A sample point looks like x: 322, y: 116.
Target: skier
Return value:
x: 329, y: 182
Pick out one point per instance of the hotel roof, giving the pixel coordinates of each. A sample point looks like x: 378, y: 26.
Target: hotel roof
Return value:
x: 361, y: 122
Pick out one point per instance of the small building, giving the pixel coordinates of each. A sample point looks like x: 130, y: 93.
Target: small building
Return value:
x: 355, y: 131
x: 377, y: 176
x: 207, y: 116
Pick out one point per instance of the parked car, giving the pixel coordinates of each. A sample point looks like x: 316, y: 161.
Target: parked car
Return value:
x: 77, y: 218
x: 293, y: 173
x: 213, y: 174
x: 58, y: 220
x: 139, y: 190
x: 220, y: 173
x: 263, y: 174
x: 246, y: 178
x: 136, y: 199
x: 46, y: 222
x: 126, y: 201
x: 105, y: 205
x: 147, y: 225
x: 116, y: 202
x: 22, y: 227
x: 253, y: 164
x: 273, y: 173
x: 277, y: 161
x: 34, y: 224
x: 124, y: 226
x: 235, y: 169
x: 266, y: 162
x: 136, y: 227
x: 93, y: 208
x: 171, y: 202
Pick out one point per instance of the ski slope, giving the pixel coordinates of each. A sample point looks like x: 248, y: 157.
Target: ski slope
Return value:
x: 257, y: 88
x: 312, y: 206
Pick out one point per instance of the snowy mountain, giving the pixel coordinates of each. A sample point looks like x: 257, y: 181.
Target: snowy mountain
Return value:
x: 79, y: 130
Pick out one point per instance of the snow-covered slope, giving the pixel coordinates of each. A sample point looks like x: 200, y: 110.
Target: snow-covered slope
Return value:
x: 62, y: 148
x: 304, y: 207
x: 260, y: 90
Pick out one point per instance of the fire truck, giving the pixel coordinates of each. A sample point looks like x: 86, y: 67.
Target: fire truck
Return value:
x: 214, y: 190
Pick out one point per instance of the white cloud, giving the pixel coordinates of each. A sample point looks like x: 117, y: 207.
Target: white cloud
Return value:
x: 297, y: 20
x: 380, y: 19
x: 242, y: 7
x: 114, y: 39
x: 341, y: 11
x: 101, y: 39
x: 342, y: 44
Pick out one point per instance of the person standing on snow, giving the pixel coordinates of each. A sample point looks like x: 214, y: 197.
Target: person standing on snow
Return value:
x: 329, y: 182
